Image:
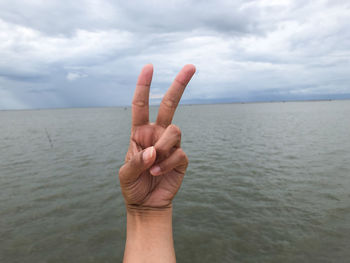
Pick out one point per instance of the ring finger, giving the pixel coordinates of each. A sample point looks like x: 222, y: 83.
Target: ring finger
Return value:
x: 170, y: 139
x: 178, y: 160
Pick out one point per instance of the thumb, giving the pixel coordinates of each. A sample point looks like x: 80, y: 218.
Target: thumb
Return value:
x: 139, y: 163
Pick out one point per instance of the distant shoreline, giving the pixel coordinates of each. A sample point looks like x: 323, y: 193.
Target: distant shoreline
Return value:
x: 184, y: 104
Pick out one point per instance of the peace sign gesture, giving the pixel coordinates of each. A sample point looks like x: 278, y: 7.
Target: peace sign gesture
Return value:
x: 155, y: 164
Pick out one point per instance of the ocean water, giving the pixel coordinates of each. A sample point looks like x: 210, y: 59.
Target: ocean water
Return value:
x: 267, y: 182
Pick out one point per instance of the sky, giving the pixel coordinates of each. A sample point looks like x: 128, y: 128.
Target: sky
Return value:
x: 88, y: 53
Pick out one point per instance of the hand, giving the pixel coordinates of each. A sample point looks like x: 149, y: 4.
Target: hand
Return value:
x: 155, y: 164
x: 153, y: 171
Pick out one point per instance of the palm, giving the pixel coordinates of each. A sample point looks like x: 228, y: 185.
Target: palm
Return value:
x: 147, y: 190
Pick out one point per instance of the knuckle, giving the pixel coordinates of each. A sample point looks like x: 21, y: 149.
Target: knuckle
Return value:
x: 139, y: 103
x: 174, y: 129
x: 161, y: 150
x: 170, y: 102
x: 182, y: 155
x: 121, y: 172
x: 181, y: 83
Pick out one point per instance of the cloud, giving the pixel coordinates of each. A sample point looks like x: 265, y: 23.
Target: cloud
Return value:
x: 156, y: 96
x: 71, y: 76
x: 89, y: 52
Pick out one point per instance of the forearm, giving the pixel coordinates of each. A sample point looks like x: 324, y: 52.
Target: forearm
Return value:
x: 149, y: 236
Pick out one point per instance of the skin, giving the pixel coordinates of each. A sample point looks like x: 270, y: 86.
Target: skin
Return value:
x: 153, y: 171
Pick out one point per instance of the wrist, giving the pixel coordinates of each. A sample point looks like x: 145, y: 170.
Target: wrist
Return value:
x: 148, y: 212
x: 146, y: 219
x: 142, y: 218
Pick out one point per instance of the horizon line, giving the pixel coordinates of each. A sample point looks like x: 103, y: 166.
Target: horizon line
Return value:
x: 188, y: 103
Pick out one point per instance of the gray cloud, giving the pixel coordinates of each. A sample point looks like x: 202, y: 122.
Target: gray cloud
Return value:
x: 89, y: 52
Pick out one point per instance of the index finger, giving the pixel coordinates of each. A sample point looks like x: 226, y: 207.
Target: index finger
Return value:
x: 172, y: 97
x: 141, y: 97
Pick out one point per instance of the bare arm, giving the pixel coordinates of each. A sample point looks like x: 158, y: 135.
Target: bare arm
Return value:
x: 149, y: 237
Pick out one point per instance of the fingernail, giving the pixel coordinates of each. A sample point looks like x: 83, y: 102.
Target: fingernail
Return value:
x: 148, y: 154
x: 155, y: 170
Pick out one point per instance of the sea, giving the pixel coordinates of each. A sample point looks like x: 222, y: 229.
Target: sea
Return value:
x: 266, y: 182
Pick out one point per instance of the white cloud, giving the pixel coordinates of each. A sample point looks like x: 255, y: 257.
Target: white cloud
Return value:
x: 240, y: 48
x: 71, y: 76
x: 155, y: 96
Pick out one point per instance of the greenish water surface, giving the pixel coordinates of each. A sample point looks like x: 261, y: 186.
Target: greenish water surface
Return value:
x: 267, y: 182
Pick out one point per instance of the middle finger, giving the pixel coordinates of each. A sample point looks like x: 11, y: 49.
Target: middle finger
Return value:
x: 173, y: 95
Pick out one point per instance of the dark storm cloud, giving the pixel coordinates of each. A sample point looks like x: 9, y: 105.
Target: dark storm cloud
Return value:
x: 89, y: 52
